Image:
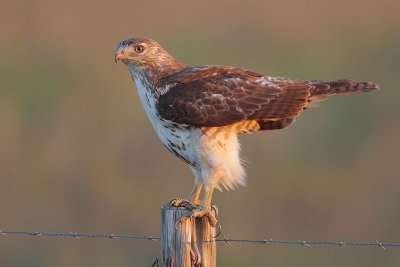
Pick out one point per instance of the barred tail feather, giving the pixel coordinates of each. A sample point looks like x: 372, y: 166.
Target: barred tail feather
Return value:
x: 341, y: 87
x: 322, y: 89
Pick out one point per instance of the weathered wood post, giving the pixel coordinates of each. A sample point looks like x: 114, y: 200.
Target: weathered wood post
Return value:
x: 188, y: 243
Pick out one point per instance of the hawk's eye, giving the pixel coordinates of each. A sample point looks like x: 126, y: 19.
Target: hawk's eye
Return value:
x: 139, y: 48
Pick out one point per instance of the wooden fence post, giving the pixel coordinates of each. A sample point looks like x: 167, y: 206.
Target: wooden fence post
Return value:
x: 183, y: 243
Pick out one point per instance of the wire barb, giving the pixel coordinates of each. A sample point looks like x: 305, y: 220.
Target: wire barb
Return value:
x: 156, y: 263
x: 304, y: 243
x: 380, y: 244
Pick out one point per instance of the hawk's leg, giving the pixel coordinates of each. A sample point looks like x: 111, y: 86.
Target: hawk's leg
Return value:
x: 193, y: 197
x: 195, y: 194
x: 205, y: 210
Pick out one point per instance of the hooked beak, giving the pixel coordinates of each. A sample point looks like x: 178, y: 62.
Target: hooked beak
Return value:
x: 119, y: 56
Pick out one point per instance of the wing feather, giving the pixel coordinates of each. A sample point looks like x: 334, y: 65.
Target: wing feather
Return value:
x: 217, y: 96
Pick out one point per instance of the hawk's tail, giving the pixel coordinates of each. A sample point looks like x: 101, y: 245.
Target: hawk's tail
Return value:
x: 323, y: 89
x: 319, y: 91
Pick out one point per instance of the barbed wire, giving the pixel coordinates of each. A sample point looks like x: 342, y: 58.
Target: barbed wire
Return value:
x: 78, y: 235
x: 225, y: 239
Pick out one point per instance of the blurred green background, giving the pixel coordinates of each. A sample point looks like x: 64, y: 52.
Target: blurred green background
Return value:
x: 78, y: 154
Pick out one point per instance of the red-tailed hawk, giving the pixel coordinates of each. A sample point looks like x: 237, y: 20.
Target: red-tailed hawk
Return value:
x: 198, y: 112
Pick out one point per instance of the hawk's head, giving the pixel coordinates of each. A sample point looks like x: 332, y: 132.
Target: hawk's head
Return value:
x: 146, y: 57
x: 141, y: 52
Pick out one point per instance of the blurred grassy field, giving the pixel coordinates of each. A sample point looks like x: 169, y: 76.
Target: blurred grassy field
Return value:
x: 78, y: 154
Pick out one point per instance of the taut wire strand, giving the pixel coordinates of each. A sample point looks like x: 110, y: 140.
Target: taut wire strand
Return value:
x: 227, y: 240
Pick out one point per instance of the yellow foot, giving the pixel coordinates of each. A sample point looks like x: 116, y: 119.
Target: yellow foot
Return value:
x: 179, y: 202
x: 184, y: 203
x: 197, y: 211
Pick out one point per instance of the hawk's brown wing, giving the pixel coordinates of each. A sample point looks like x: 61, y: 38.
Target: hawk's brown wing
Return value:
x: 219, y: 96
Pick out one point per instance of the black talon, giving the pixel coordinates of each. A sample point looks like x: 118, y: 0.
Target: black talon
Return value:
x: 184, y: 204
x: 179, y: 203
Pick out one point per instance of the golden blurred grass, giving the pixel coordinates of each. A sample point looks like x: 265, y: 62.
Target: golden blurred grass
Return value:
x: 77, y: 153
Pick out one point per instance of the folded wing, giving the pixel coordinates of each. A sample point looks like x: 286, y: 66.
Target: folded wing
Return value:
x: 218, y: 96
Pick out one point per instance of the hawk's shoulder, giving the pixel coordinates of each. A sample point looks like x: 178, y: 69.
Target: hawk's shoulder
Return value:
x: 190, y: 74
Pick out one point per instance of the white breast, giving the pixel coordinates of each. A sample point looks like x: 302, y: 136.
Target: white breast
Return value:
x: 175, y: 137
x: 209, y: 152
